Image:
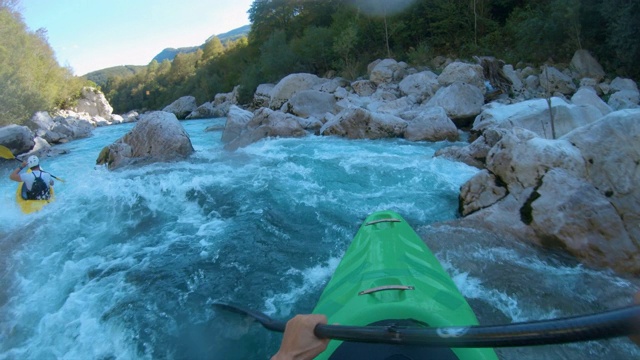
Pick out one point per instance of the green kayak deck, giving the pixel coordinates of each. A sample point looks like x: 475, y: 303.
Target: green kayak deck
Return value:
x: 388, y: 273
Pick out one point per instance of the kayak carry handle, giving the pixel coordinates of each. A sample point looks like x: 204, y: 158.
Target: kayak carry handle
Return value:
x: 386, y: 287
x: 381, y: 221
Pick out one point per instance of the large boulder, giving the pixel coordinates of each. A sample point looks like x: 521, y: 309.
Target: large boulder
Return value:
x: 474, y: 154
x: 472, y: 74
x: 205, y: 111
x: 364, y: 87
x: 624, y: 99
x: 578, y: 193
x: 587, y: 66
x: 517, y: 85
x: 521, y: 158
x: 611, y: 148
x: 421, y: 86
x: 219, y: 107
x: 534, y: 115
x: 262, y: 96
x: 182, y: 107
x: 624, y: 95
x: 65, y: 126
x: 157, y: 137
x: 398, y: 107
x: 267, y: 123
x: 621, y: 84
x: 94, y: 103
x: 461, y: 101
x: 237, y: 120
x: 481, y: 191
x: 223, y: 102
x: 230, y: 98
x: 131, y: 116
x: 358, y: 123
x: 18, y: 139
x: 587, y: 95
x: 291, y: 84
x: 386, y: 71
x: 571, y: 214
x: 72, y: 127
x: 553, y: 80
x: 307, y: 103
x: 432, y: 124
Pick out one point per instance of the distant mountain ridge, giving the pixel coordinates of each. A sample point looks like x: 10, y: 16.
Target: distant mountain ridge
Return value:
x: 100, y: 77
x: 170, y: 53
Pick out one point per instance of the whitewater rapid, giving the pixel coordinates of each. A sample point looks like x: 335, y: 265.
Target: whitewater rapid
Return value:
x: 127, y: 264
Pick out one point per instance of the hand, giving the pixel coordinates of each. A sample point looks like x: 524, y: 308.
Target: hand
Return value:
x: 299, y: 341
x: 23, y: 165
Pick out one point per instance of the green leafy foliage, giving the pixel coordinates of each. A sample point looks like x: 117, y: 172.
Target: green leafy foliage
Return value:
x: 276, y: 57
x: 30, y: 78
x: 100, y: 77
x: 334, y: 36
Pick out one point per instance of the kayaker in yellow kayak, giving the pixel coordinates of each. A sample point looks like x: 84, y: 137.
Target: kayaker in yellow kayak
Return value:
x: 38, y: 183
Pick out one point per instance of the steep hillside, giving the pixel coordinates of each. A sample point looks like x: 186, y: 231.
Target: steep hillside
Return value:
x: 100, y: 77
x: 235, y: 34
x: 170, y: 53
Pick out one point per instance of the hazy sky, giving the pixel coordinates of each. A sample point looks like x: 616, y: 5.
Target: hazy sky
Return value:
x: 90, y: 35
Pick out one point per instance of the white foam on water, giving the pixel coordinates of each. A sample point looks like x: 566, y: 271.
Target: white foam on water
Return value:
x: 472, y: 288
x: 312, y: 279
x: 58, y: 312
x: 75, y: 268
x: 501, y: 254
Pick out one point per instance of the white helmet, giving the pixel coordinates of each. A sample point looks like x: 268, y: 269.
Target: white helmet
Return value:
x: 33, y: 161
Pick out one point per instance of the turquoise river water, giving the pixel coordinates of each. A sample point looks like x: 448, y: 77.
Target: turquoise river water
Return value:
x: 126, y: 264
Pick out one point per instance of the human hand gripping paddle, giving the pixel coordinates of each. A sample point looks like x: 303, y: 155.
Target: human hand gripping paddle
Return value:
x: 603, y: 325
x: 5, y: 153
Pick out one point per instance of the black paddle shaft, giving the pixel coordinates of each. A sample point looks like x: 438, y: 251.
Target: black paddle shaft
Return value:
x: 603, y: 325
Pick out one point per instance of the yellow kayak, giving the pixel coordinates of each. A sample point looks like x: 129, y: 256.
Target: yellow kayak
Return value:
x: 29, y: 206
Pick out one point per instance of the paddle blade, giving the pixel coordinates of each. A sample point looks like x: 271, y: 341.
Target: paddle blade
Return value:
x: 265, y: 320
x: 6, y: 153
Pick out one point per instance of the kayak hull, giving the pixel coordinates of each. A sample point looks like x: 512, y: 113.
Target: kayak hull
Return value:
x: 30, y: 206
x: 388, y: 273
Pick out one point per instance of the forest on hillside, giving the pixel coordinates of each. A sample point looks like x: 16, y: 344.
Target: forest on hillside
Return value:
x: 344, y: 36
x: 30, y: 77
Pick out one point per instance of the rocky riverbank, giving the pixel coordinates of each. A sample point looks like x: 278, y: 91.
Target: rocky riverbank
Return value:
x: 558, y: 145
x: 559, y: 164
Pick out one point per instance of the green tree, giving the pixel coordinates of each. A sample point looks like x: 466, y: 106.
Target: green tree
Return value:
x: 212, y: 49
x: 622, y: 34
x: 268, y: 16
x: 30, y: 78
x: 314, y: 49
x: 183, y: 66
x: 276, y: 57
x: 344, y: 35
x: 344, y: 46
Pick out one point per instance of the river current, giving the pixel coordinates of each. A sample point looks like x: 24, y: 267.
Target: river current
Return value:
x: 126, y: 264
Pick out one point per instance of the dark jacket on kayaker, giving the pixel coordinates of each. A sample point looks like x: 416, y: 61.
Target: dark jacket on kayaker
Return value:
x: 42, y: 180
